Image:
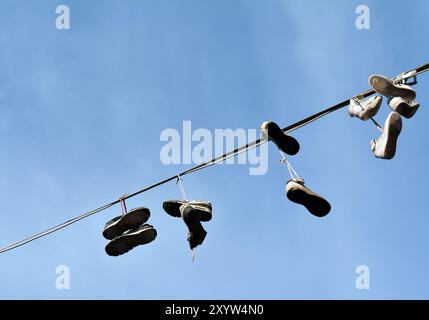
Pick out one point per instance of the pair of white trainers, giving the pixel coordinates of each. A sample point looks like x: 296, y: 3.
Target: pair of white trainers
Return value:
x: 401, y: 99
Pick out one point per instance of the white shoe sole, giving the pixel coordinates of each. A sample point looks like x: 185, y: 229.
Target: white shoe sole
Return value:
x: 386, y: 87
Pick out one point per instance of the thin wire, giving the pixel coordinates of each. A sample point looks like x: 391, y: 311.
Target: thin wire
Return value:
x: 402, y: 77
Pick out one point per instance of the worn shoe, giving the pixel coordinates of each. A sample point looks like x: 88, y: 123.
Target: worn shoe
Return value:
x: 385, y: 146
x: 117, y: 226
x: 191, y: 217
x: 405, y: 108
x: 297, y: 192
x: 131, y: 239
x: 365, y: 109
x: 388, y: 88
x: 204, y: 208
x: 273, y: 132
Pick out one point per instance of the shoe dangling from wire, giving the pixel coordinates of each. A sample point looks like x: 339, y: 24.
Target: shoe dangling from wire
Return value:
x: 284, y: 142
x: 193, y: 213
x: 365, y: 109
x: 297, y: 192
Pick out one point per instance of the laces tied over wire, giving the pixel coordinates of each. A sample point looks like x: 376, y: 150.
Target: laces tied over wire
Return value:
x: 123, y: 205
x: 181, y: 187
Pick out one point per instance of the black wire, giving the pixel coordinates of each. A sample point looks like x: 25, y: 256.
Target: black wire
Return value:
x: 216, y: 160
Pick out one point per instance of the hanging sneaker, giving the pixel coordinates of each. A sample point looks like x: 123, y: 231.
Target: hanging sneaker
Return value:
x: 405, y: 108
x: 287, y: 144
x: 297, y: 192
x: 131, y: 239
x: 365, y: 109
x: 385, y: 146
x: 191, y: 217
x: 204, y: 208
x: 388, y: 88
x: 117, y: 226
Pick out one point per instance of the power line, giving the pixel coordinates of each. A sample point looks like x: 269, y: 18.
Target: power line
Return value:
x: 398, y: 79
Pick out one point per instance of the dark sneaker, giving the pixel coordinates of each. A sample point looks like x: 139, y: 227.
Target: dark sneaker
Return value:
x: 191, y: 217
x: 117, y: 226
x: 297, y: 192
x: 131, y: 239
x: 285, y: 143
x: 204, y: 208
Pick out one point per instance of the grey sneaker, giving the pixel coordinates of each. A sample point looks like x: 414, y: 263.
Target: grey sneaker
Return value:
x: 386, y: 87
x: 365, y: 109
x: 131, y: 239
x: 204, y: 208
x: 117, y: 226
x: 405, y: 108
x: 297, y: 192
x: 385, y: 146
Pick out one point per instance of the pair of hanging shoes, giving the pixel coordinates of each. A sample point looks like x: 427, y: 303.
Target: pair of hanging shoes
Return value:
x: 296, y: 191
x: 401, y: 97
x: 193, y: 213
x: 128, y: 231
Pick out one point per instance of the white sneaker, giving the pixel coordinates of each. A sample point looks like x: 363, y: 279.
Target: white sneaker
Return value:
x: 386, y: 87
x: 365, y: 109
x: 403, y: 107
x: 385, y: 146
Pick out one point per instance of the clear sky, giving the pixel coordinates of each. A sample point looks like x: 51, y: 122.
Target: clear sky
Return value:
x: 81, y: 112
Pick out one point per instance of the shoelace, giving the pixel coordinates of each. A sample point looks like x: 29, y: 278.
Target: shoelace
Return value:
x: 291, y: 170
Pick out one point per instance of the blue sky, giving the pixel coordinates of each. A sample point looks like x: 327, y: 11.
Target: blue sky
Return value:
x: 81, y: 112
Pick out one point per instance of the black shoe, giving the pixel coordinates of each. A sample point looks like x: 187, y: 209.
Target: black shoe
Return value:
x: 117, y: 226
x: 191, y: 217
x: 285, y: 143
x: 131, y: 239
x: 298, y: 193
x: 204, y: 208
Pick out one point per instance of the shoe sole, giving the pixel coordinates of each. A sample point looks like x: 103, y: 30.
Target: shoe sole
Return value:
x: 405, y: 110
x: 125, y: 243
x: 394, y: 128
x: 284, y: 142
x: 316, y: 205
x: 172, y: 208
x: 132, y: 219
x: 386, y: 87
